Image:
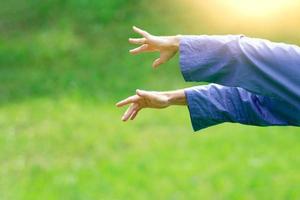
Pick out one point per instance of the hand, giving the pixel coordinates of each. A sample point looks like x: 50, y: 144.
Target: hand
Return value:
x: 143, y: 99
x: 167, y: 46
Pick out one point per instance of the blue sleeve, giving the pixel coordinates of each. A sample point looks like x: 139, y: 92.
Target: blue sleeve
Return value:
x: 259, y: 66
x: 214, y: 104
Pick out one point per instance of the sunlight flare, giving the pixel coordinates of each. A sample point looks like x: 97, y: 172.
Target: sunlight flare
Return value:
x: 258, y: 8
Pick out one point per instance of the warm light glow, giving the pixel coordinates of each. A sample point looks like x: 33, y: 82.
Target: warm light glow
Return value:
x: 243, y: 16
x: 258, y: 8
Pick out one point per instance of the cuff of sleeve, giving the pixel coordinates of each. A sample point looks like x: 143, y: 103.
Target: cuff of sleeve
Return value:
x: 200, y: 114
x: 184, y: 58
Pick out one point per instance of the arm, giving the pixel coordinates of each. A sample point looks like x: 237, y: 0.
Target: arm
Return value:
x: 212, y: 104
x: 260, y: 66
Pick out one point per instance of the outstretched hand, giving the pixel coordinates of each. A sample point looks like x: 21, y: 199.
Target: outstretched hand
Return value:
x: 167, y: 46
x: 143, y: 99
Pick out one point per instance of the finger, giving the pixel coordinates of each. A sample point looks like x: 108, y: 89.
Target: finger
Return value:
x: 140, y: 49
x: 143, y: 93
x: 134, y: 114
x: 140, y: 31
x: 129, y: 112
x: 126, y: 113
x: 137, y: 40
x: 129, y: 100
x: 158, y: 62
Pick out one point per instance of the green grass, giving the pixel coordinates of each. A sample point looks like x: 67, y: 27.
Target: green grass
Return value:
x: 71, y: 149
x: 64, y: 64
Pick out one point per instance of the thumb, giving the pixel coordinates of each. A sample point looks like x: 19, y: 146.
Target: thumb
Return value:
x: 143, y: 93
x: 157, y: 62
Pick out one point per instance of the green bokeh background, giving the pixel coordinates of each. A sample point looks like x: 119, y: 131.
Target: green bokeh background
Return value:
x: 63, y: 66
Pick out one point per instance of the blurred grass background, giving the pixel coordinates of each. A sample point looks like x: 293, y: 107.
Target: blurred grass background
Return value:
x: 63, y: 66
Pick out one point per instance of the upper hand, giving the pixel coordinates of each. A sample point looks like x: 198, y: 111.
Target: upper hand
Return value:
x: 167, y: 46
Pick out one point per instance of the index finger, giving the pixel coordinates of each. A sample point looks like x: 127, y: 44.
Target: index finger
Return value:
x: 137, y: 40
x: 129, y: 100
x: 140, y: 31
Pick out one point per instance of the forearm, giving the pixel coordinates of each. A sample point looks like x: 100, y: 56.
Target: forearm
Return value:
x: 214, y: 104
x: 176, y: 97
x: 172, y: 41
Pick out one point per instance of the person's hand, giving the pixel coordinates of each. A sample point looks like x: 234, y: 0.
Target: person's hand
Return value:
x: 167, y: 46
x: 143, y: 99
x: 146, y: 99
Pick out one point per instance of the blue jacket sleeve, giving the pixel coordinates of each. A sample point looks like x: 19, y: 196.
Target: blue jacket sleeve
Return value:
x: 259, y: 66
x: 214, y: 104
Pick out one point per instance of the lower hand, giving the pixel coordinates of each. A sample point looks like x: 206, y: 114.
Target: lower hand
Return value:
x: 145, y: 99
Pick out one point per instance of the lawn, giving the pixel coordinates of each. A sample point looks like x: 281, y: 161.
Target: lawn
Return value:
x: 64, y: 65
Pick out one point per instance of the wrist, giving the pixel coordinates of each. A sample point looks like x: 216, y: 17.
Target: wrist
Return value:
x: 175, y: 97
x: 173, y: 42
x: 176, y: 41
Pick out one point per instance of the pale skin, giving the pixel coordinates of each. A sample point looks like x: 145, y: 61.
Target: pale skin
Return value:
x: 167, y: 46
